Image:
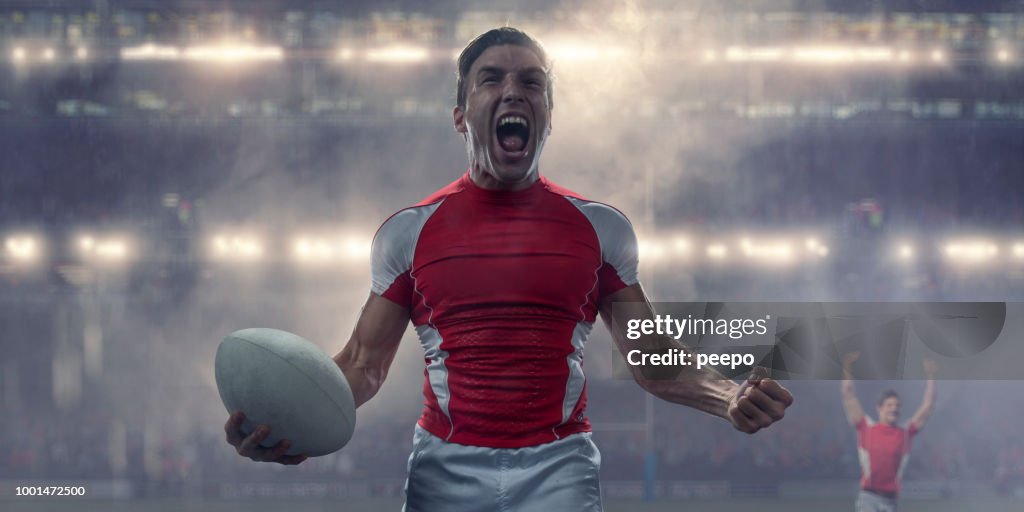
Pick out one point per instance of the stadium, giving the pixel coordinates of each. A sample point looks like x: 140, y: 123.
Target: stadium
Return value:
x: 172, y: 171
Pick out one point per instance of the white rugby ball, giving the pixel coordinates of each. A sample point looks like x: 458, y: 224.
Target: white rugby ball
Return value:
x: 286, y: 382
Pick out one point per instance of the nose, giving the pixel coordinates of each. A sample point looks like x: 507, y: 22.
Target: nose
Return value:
x: 511, y: 91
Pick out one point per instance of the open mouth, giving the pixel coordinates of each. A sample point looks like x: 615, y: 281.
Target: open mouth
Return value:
x: 513, y: 131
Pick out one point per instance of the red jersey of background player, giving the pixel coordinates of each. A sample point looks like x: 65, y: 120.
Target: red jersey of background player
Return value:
x: 503, y: 289
x: 883, y: 451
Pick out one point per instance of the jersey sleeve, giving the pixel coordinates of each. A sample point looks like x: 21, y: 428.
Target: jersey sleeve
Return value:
x: 619, y: 248
x: 391, y: 256
x: 863, y: 424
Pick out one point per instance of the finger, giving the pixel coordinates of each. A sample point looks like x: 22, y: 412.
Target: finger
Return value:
x: 773, y: 408
x: 776, y: 391
x: 279, y: 450
x: 742, y: 422
x: 233, y: 428
x: 756, y: 415
x: 250, y: 446
x: 291, y: 460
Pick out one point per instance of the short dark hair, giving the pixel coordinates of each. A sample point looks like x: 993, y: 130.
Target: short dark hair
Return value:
x: 498, y: 37
x: 887, y: 394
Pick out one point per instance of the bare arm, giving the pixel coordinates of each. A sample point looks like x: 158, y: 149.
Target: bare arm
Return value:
x: 928, y: 404
x: 364, y: 361
x: 854, y: 411
x: 754, y: 405
x: 367, y: 356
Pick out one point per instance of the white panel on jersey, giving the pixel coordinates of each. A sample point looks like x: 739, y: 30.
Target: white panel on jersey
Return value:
x: 395, y: 244
x: 576, y: 380
x: 618, y: 241
x: 865, y: 462
x: 437, y: 373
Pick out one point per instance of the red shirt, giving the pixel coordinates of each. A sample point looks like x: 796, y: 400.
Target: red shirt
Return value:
x: 503, y: 289
x: 883, y: 451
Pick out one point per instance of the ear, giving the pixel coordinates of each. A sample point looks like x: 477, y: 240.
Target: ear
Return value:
x: 459, y: 118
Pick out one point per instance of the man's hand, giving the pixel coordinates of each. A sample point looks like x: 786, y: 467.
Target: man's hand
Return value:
x: 759, y: 402
x: 849, y: 359
x: 249, y: 446
x: 930, y: 367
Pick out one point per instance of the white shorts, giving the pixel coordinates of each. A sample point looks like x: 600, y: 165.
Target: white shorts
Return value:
x: 868, y: 501
x: 558, y: 476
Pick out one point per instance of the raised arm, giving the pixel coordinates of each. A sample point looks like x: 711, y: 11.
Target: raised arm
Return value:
x: 754, y: 405
x: 854, y: 411
x: 928, y: 404
x: 367, y: 356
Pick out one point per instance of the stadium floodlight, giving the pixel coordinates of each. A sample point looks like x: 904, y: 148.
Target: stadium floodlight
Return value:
x: 22, y: 249
x: 227, y: 53
x: 397, y: 54
x: 842, y: 54
x: 710, y: 56
x: 81, y: 53
x: 651, y: 250
x: 103, y: 250
x: 971, y: 252
x: 770, y: 252
x: 682, y: 246
x: 346, y: 54
x: 938, y: 56
x: 237, y: 248
x: 905, y: 251
x: 1003, y: 56
x: 575, y: 52
x: 49, y: 54
x: 1018, y: 250
x: 150, y: 51
x: 765, y: 54
x: 357, y: 248
x: 717, y: 251
x: 18, y: 54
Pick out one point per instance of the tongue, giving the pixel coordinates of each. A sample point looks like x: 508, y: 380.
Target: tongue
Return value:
x: 512, y: 143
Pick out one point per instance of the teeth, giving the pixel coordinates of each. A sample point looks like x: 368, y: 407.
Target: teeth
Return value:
x: 513, y: 119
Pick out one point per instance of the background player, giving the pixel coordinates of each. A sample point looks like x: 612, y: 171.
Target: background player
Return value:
x: 883, y: 447
x: 503, y: 274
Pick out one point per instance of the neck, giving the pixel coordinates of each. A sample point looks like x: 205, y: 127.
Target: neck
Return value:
x: 488, y: 181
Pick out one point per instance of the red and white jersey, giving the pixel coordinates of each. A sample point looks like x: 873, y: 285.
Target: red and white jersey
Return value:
x: 503, y: 289
x: 883, y: 451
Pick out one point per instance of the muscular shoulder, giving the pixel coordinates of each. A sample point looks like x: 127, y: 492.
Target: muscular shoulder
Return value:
x: 614, y: 232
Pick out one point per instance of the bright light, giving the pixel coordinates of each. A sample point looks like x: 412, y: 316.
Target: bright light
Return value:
x: 1003, y: 56
x: 717, y: 251
x: 1018, y: 250
x: 842, y: 54
x: 650, y: 250
x: 971, y: 252
x: 18, y: 54
x: 710, y: 56
x: 22, y: 249
x: 346, y: 54
x: 682, y: 246
x: 308, y: 249
x: 571, y: 52
x: 110, y: 249
x: 356, y: 248
x: 82, y: 53
x: 767, y: 54
x: 398, y: 54
x: 49, y: 54
x: 937, y: 56
x: 150, y: 51
x: 234, y: 53
x: 775, y: 251
x: 237, y: 248
x: 906, y: 251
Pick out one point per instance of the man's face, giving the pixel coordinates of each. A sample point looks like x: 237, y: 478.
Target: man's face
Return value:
x: 889, y: 411
x: 506, y: 119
